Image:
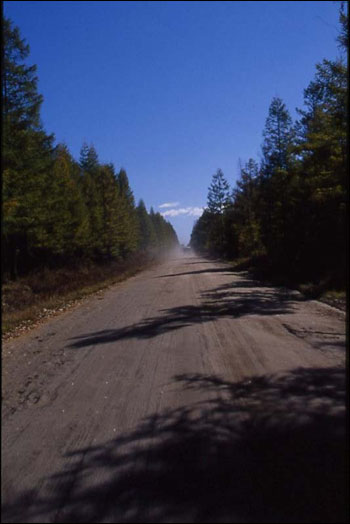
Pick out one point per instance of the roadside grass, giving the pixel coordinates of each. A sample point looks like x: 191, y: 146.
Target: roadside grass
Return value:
x: 50, y: 291
x: 334, y: 298
x: 330, y: 289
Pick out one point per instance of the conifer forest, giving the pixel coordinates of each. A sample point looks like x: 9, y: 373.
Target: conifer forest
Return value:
x: 287, y: 212
x: 175, y: 262
x: 58, y: 211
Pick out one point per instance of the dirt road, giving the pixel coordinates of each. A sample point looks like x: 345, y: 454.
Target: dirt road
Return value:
x: 188, y: 393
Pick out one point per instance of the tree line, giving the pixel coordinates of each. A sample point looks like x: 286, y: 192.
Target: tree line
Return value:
x: 56, y: 210
x: 288, y: 211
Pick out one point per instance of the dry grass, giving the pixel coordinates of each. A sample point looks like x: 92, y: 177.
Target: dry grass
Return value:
x: 44, y: 292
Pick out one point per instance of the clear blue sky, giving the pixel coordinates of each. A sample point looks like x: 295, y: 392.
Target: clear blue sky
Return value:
x: 172, y: 91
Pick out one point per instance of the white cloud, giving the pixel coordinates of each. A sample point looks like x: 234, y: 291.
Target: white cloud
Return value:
x: 187, y: 211
x: 169, y: 204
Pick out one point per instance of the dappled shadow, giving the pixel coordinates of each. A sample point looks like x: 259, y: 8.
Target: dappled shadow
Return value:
x: 340, y: 344
x: 198, y: 272
x: 224, y: 301
x: 266, y: 449
x: 201, y: 261
x: 322, y: 340
x: 243, y: 282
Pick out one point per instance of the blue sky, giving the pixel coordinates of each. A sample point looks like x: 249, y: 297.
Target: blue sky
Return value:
x: 172, y: 91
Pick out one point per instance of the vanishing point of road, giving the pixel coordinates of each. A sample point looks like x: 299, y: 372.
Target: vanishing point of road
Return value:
x: 188, y: 393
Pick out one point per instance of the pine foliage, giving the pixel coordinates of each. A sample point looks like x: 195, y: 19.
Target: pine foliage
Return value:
x: 290, y: 210
x: 57, y: 210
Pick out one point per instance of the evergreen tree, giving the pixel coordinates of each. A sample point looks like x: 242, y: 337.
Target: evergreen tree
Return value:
x: 218, y: 193
x: 54, y: 208
x: 110, y: 202
x: 66, y: 219
x: 218, y: 201
x: 127, y: 215
x: 278, y: 137
x: 90, y: 171
x: 275, y: 179
x: 88, y: 158
x: 292, y: 209
x: 20, y: 100
x: 245, y: 210
x: 322, y: 149
x: 147, y: 236
x: 200, y: 233
x: 27, y: 155
x: 166, y: 237
x: 343, y: 37
x: 171, y: 236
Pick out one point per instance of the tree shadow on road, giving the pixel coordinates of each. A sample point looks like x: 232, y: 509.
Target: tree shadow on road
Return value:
x: 266, y: 449
x: 226, y: 301
x: 198, y: 272
x: 202, y: 261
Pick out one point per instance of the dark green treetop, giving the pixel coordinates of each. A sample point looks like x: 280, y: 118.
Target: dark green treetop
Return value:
x: 20, y: 99
x: 147, y: 236
x: 277, y: 137
x: 218, y: 193
x: 88, y: 157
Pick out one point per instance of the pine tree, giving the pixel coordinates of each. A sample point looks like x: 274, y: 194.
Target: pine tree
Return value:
x: 88, y: 158
x: 292, y: 209
x: 246, y: 204
x: 54, y: 208
x: 278, y: 136
x: 343, y: 37
x: 277, y: 165
x: 20, y: 100
x: 218, y: 201
x: 166, y: 237
x: 67, y: 215
x: 90, y: 166
x: 111, y: 202
x: 200, y: 233
x: 218, y: 193
x: 127, y: 215
x: 27, y: 155
x: 322, y: 150
x: 147, y: 236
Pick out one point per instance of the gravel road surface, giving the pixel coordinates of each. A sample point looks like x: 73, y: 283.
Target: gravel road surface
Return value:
x: 188, y: 393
